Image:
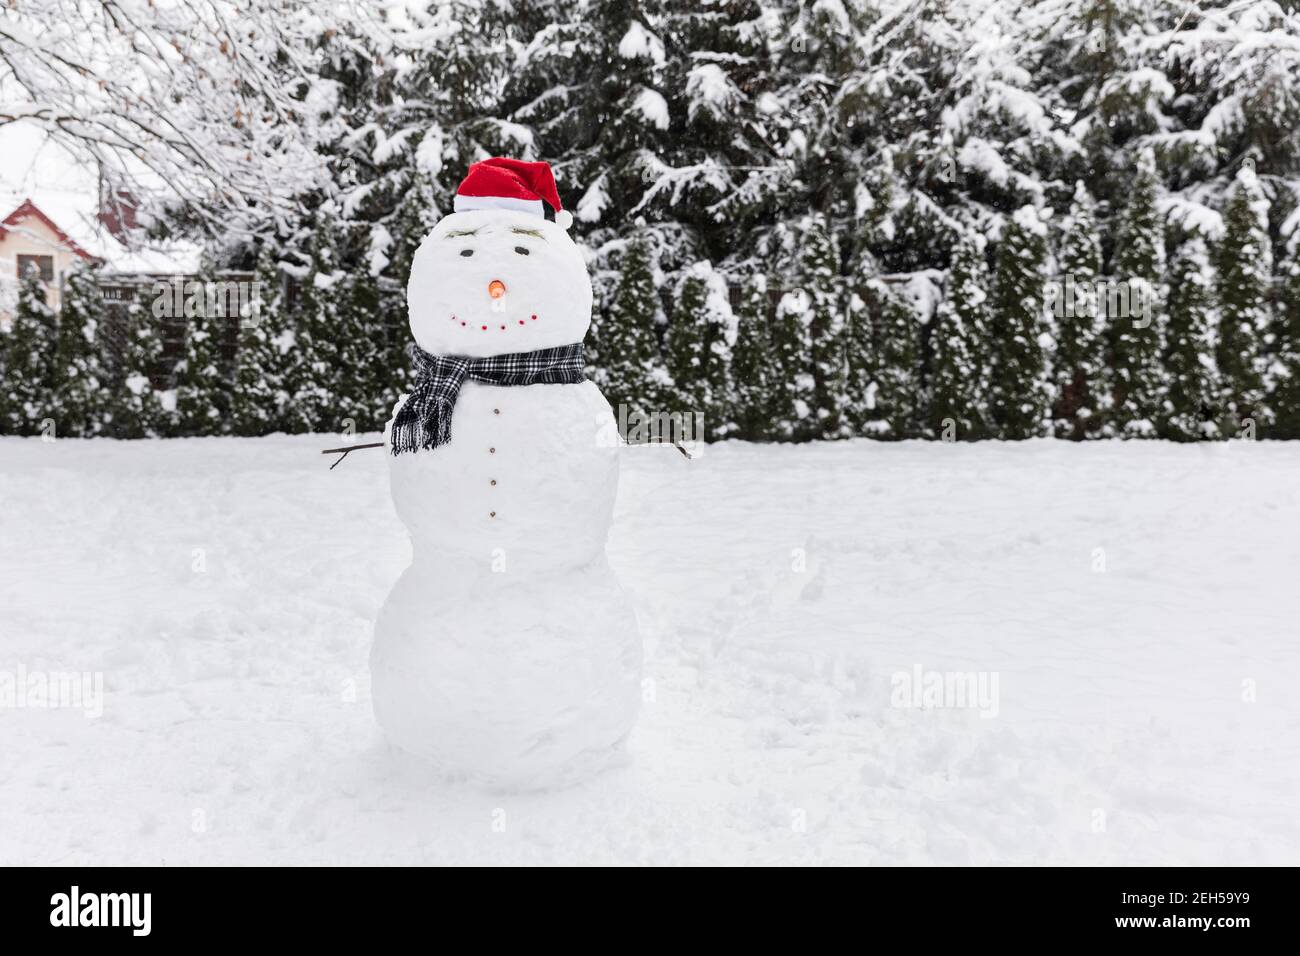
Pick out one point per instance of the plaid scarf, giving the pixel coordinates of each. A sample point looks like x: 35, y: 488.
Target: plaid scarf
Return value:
x: 424, y: 420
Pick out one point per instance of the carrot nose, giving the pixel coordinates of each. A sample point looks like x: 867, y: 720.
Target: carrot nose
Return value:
x: 496, y: 288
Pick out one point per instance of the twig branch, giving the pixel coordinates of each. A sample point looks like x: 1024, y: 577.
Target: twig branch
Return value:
x: 347, y: 450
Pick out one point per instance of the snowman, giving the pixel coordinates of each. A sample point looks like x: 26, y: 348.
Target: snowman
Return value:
x: 507, y: 653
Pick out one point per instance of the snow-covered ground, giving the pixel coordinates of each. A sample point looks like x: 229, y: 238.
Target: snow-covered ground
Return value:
x: 1138, y: 604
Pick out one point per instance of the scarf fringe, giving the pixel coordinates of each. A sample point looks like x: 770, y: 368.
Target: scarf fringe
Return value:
x: 424, y: 434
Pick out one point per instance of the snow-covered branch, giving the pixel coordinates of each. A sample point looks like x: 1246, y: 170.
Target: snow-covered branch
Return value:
x: 200, y: 103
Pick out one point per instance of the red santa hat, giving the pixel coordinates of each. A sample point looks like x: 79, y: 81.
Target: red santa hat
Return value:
x: 501, y: 183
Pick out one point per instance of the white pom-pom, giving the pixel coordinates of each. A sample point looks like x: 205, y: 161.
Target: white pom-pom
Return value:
x: 564, y: 219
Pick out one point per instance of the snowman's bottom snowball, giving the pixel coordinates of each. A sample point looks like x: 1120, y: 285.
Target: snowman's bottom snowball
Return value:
x: 505, y: 681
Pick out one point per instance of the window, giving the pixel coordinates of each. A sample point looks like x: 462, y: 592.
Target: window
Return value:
x: 43, y: 264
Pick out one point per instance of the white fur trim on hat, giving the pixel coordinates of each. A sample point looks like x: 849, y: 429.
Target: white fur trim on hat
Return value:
x: 466, y: 203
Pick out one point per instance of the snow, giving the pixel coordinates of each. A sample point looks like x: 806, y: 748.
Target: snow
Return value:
x: 834, y: 11
x: 978, y: 154
x: 1291, y: 226
x: 1142, y: 82
x: 796, y: 144
x: 652, y: 105
x: 381, y: 240
x: 709, y: 87
x: 594, y: 200
x: 322, y: 97
x: 863, y: 201
x: 1223, y: 118
x: 1246, y: 177
x: 173, y: 258
x: 517, y: 134
x: 717, y: 304
x: 1132, y: 598
x: 1030, y: 219
x: 1192, y: 215
x: 387, y: 147
x: 428, y: 155
x: 640, y: 43
x: 924, y: 290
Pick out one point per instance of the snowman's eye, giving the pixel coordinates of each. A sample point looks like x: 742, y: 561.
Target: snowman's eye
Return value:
x: 521, y: 250
x: 467, y: 252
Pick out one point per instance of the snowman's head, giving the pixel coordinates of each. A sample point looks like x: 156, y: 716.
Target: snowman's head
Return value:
x: 492, y: 281
x: 496, y: 275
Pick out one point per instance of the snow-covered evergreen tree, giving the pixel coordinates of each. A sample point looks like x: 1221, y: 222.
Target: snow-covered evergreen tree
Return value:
x: 1019, y: 390
x: 956, y: 396
x: 204, y: 375
x: 1244, y: 264
x: 1079, y: 363
x: 266, y: 361
x: 136, y: 410
x: 717, y: 163
x: 1230, y: 70
x: 821, y: 289
x: 359, y: 353
x: 751, y: 364
x: 896, y: 369
x: 697, y: 349
x: 31, y: 360
x: 629, y: 338
x: 9, y: 286
x: 592, y: 82
x: 871, y: 235
x: 711, y: 129
x: 337, y: 353
x: 1134, y: 329
x: 6, y: 400
x: 685, y: 355
x: 1092, y: 62
x: 82, y: 380
x: 859, y: 362
x: 1187, y: 399
x: 1284, y: 370
x: 394, y: 373
x: 793, y: 390
x: 311, y: 317
x: 997, y: 127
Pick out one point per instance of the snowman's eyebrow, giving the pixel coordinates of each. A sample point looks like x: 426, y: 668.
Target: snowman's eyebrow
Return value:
x: 462, y: 232
x: 536, y: 234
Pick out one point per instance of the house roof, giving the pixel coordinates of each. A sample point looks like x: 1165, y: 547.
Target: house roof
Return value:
x: 28, y: 209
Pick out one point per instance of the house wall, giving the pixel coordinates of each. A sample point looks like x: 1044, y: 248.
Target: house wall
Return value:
x: 31, y: 237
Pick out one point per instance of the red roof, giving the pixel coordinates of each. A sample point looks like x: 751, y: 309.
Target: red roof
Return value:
x: 28, y: 209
